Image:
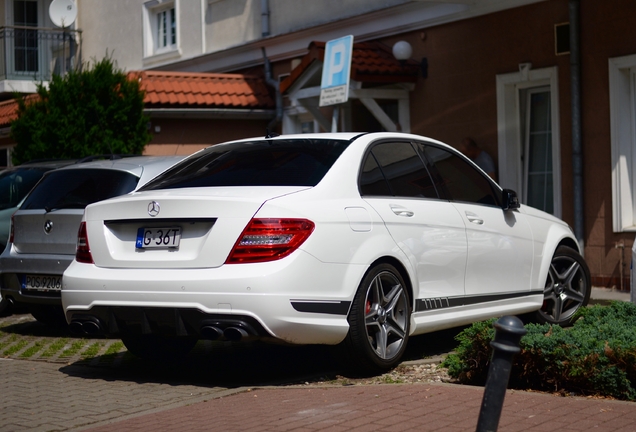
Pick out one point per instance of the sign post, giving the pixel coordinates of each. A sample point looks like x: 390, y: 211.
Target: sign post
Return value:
x: 336, y: 70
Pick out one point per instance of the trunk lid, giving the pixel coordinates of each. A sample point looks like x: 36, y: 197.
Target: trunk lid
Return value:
x: 210, y: 220
x: 42, y: 232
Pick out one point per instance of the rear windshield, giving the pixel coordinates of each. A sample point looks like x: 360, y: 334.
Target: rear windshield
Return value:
x: 298, y: 162
x: 15, y: 184
x: 77, y: 188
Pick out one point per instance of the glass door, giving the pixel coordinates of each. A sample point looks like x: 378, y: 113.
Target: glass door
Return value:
x: 538, y: 175
x: 25, y: 43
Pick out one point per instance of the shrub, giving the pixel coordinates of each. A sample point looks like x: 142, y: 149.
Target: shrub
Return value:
x: 596, y: 356
x: 97, y: 110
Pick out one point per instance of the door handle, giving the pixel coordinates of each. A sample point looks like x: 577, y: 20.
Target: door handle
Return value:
x: 401, y: 211
x: 473, y: 218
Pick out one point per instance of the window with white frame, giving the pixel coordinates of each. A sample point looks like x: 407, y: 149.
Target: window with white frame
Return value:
x: 528, y: 136
x: 160, y: 27
x: 166, y: 29
x: 622, y: 92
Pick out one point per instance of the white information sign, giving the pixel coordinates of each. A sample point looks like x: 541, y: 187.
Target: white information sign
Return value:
x: 334, y: 88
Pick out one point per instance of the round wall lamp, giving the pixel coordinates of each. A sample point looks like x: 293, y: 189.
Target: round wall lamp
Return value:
x: 402, y: 50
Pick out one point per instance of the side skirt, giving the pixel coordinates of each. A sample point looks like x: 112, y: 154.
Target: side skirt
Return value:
x: 434, y: 314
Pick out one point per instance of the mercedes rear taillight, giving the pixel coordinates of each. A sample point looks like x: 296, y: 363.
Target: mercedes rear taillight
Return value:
x: 269, y: 240
x: 83, y: 251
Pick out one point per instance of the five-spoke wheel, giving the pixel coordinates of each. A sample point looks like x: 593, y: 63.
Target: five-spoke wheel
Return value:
x: 379, y: 320
x: 567, y: 288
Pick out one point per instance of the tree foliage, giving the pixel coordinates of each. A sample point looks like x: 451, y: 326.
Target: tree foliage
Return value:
x: 94, y: 111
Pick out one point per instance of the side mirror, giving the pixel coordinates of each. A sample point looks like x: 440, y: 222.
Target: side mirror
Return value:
x: 510, y: 200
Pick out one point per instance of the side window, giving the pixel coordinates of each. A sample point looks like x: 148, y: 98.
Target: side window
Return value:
x: 372, y: 181
x: 459, y: 180
x: 402, y: 169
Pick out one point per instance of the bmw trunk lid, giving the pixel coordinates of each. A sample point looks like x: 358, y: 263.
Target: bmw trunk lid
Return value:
x: 194, y: 228
x: 42, y: 232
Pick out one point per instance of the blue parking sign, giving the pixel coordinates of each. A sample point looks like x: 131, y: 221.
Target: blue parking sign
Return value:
x: 336, y: 71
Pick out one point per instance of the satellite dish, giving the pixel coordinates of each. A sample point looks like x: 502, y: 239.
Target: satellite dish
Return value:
x: 63, y: 12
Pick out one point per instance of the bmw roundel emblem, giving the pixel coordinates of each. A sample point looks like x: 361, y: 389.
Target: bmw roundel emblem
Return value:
x: 48, y: 226
x: 154, y: 208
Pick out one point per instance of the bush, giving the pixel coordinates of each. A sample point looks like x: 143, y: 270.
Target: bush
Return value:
x: 596, y: 356
x: 97, y: 110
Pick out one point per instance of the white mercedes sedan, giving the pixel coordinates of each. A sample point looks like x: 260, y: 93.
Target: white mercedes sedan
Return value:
x: 358, y: 240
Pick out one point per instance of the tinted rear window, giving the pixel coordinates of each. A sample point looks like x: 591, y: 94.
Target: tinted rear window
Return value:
x: 15, y: 184
x: 77, y: 188
x: 295, y: 162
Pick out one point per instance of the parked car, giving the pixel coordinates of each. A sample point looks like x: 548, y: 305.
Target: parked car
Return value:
x: 44, y: 230
x: 15, y: 183
x: 361, y: 240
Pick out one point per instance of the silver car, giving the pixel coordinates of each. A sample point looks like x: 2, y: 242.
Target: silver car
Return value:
x: 43, y: 234
x: 15, y: 183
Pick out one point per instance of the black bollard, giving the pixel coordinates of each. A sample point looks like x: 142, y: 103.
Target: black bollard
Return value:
x: 508, y: 333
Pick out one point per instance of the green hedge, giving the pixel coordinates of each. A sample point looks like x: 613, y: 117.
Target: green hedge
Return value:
x: 596, y: 356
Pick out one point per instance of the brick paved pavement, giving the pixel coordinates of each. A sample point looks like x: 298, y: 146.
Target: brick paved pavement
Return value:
x: 41, y: 396
x: 393, y: 407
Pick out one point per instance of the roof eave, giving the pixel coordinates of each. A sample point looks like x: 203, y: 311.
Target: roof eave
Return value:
x: 211, y: 113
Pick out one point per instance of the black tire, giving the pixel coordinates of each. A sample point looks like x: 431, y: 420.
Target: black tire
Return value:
x: 49, y: 315
x: 157, y: 348
x: 5, y: 307
x: 567, y: 288
x: 379, y: 322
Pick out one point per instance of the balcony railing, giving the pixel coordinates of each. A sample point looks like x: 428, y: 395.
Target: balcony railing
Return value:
x: 35, y: 54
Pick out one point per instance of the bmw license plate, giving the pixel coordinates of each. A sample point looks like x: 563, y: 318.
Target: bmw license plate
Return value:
x: 153, y: 238
x: 42, y: 282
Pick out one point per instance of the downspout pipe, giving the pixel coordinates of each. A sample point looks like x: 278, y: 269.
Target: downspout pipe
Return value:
x: 279, y: 97
x: 577, y: 145
x: 264, y: 18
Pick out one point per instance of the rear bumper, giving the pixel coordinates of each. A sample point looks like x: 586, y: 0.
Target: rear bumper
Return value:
x: 298, y: 300
x: 15, y: 266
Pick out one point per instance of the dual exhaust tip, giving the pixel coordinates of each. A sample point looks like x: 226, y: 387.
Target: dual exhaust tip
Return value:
x: 91, y: 328
x: 233, y: 334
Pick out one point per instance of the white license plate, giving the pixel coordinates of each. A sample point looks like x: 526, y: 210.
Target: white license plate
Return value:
x: 152, y: 238
x: 42, y: 282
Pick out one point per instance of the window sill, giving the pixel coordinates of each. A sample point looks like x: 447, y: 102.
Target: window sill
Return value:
x: 627, y: 229
x: 162, y: 57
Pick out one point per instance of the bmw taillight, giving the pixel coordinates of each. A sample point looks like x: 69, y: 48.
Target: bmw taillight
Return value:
x: 83, y: 251
x: 269, y: 240
x: 11, y: 230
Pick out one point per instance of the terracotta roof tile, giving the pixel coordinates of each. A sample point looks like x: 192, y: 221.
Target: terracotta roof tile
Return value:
x: 371, y: 62
x: 189, y: 89
x: 9, y: 110
x: 185, y: 90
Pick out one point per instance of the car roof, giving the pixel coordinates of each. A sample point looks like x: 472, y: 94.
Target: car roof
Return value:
x: 48, y: 164
x: 144, y: 167
x: 349, y: 136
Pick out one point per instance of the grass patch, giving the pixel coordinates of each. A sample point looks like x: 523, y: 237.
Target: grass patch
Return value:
x: 75, y: 347
x: 92, y: 350
x: 15, y: 347
x: 54, y: 348
x: 11, y: 339
x: 29, y: 352
x: 114, y: 348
